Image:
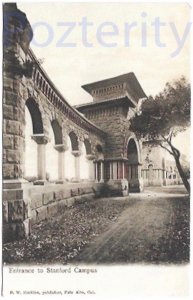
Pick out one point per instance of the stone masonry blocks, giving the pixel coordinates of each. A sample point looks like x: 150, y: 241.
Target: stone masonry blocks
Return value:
x: 8, y: 171
x: 48, y: 197
x: 12, y: 195
x: 12, y: 127
x: 15, y: 211
x: 8, y: 112
x: 36, y: 201
x: 12, y: 156
x: 8, y: 141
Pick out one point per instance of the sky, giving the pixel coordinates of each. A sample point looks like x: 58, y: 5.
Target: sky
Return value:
x: 109, y: 39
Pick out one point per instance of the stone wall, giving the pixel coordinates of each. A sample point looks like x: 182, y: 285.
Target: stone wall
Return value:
x: 112, y: 117
x: 113, y: 121
x: 42, y: 203
x: 24, y: 79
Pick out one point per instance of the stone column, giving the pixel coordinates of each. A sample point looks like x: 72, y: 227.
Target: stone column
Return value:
x: 17, y: 35
x: 102, y: 171
x: 61, y: 161
x: 90, y: 158
x: 41, y: 140
x: 139, y: 171
x: 120, y: 171
x: 96, y: 171
x: 115, y: 170
x: 77, y: 154
x: 123, y: 170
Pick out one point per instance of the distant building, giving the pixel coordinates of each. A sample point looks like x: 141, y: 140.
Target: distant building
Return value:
x: 139, y: 162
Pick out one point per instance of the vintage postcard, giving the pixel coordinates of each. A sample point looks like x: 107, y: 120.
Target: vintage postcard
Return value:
x: 96, y: 149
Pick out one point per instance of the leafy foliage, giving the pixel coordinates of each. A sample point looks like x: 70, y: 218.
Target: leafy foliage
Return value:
x: 165, y: 114
x: 162, y: 117
x: 15, y: 68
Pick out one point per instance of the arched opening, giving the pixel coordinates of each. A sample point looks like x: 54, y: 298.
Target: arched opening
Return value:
x: 33, y: 126
x: 35, y: 116
x: 132, y: 153
x: 57, y: 129
x: 132, y: 166
x: 74, y: 141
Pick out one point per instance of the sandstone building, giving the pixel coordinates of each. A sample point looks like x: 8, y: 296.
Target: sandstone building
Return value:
x: 55, y: 155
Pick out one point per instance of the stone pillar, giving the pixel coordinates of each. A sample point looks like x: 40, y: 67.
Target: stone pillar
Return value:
x: 102, y: 171
x: 120, y: 170
x: 77, y: 154
x: 117, y: 184
x: 17, y: 34
x: 61, y: 161
x: 115, y: 170
x: 123, y: 170
x: 41, y: 140
x: 95, y: 171
x: 135, y: 179
x: 90, y: 158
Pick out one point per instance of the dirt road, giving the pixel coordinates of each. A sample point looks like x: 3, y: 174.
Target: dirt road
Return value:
x: 155, y: 228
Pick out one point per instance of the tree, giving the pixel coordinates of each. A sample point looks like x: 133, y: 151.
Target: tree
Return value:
x: 160, y: 118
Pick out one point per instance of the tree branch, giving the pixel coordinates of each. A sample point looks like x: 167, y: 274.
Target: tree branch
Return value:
x: 175, y: 152
x: 166, y: 149
x: 174, y: 149
x: 170, y: 135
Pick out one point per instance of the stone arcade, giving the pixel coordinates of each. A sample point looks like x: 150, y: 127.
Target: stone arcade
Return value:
x: 94, y: 138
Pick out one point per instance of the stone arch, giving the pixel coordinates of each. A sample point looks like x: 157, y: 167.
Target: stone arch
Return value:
x: 133, y: 166
x: 132, y: 152
x: 35, y: 116
x: 33, y: 126
x: 132, y: 139
x: 57, y: 129
x: 74, y: 141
